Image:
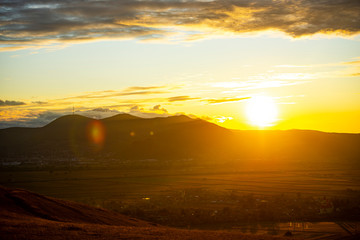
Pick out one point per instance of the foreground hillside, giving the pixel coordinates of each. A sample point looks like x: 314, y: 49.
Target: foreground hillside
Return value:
x: 26, y: 215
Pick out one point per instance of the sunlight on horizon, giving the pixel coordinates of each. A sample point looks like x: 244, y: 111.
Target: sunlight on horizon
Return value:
x: 261, y: 111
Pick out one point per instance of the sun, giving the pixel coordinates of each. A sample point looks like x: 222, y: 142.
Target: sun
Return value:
x: 261, y: 111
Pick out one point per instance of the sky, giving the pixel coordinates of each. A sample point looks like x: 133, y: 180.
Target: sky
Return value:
x: 206, y: 59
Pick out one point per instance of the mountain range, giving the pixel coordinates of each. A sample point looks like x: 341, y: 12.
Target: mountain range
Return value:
x: 124, y: 136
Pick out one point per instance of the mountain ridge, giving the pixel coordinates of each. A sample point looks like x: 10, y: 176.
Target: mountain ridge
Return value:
x: 125, y: 136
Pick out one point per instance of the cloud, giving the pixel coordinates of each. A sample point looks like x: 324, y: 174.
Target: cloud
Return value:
x: 225, y: 100
x: 98, y: 104
x: 141, y: 88
x: 354, y: 68
x: 206, y: 118
x: 354, y: 74
x: 155, y: 111
x: 356, y: 63
x: 34, y: 118
x: 10, y: 103
x: 31, y: 119
x: 263, y: 81
x: 98, y: 113
x: 222, y: 119
x: 105, y: 110
x: 158, y: 108
x: 125, y: 92
x: 291, y: 66
x: 180, y: 98
x: 136, y: 108
x: 39, y: 102
x: 30, y: 23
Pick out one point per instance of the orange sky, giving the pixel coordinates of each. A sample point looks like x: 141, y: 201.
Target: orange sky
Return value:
x: 208, y: 59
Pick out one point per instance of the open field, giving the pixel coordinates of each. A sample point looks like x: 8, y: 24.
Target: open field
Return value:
x: 26, y: 215
x: 128, y: 183
x: 261, y: 198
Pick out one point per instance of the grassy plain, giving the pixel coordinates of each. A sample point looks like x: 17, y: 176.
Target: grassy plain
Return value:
x: 127, y: 182
x: 257, y: 197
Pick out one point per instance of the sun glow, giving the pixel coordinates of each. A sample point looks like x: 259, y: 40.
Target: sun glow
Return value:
x: 261, y: 111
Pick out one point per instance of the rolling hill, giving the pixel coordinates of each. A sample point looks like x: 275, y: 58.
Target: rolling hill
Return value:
x: 27, y: 215
x: 125, y: 136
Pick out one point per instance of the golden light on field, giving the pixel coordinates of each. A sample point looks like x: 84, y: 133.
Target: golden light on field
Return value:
x: 261, y: 111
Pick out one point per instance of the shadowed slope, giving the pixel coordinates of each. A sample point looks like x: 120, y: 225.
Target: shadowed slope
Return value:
x: 17, y: 203
x: 26, y: 215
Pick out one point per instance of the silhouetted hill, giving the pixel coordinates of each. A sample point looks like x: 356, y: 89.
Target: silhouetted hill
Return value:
x: 300, y: 145
x: 30, y: 216
x: 177, y: 137
x: 122, y: 136
x: 122, y: 116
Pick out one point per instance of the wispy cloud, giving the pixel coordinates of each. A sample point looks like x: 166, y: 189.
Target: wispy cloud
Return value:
x: 355, y: 74
x: 125, y: 92
x: 32, y: 23
x: 142, y: 88
x: 356, y: 63
x: 354, y: 68
x: 291, y: 66
x: 263, y: 81
x: 282, y: 76
x: 39, y: 102
x: 225, y: 100
x: 181, y: 98
x: 10, y: 103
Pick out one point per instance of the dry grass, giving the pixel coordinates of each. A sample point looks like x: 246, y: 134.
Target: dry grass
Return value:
x: 26, y: 215
x: 43, y: 230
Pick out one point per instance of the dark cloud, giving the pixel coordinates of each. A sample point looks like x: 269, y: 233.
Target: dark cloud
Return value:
x: 180, y: 98
x: 28, y: 22
x: 225, y: 100
x: 10, y: 103
x: 40, y: 102
x: 105, y: 110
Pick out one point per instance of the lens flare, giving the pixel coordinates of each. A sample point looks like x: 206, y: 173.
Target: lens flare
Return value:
x: 96, y: 132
